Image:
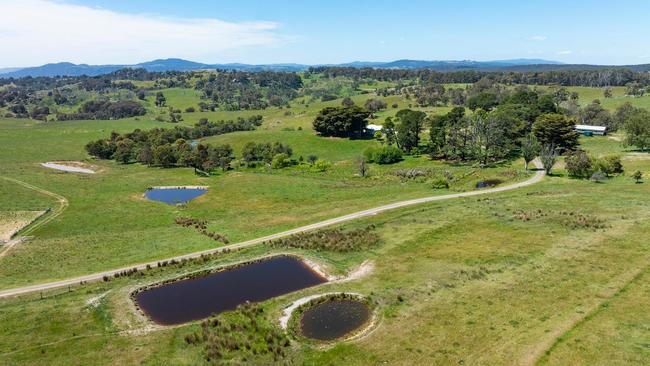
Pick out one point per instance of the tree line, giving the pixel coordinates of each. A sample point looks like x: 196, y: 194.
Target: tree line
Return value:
x: 599, y: 77
x: 173, y: 146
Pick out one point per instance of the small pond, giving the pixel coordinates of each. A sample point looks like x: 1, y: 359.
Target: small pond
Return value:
x: 488, y: 183
x: 334, y: 319
x: 173, y: 196
x: 198, y: 298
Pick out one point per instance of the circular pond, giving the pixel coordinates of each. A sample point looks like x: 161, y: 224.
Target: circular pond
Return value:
x: 334, y: 319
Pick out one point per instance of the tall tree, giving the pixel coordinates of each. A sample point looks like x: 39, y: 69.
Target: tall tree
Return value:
x: 548, y: 155
x: 389, y: 130
x: 637, y: 129
x: 341, y: 121
x: 557, y: 130
x: 409, y: 129
x: 529, y: 149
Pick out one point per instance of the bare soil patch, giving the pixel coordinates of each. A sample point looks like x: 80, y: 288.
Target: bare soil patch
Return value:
x: 13, y: 221
x: 70, y: 166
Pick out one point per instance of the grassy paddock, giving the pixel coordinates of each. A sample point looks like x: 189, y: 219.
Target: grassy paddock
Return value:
x: 553, y: 273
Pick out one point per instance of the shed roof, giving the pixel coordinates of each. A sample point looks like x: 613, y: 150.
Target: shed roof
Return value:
x: 591, y: 128
x: 374, y: 127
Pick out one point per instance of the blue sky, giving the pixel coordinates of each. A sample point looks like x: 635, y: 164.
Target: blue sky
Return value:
x: 273, y: 31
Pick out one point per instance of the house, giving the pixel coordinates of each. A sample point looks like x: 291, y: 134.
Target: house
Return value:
x: 591, y: 130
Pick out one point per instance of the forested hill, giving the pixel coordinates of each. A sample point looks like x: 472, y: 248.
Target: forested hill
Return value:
x: 175, y: 64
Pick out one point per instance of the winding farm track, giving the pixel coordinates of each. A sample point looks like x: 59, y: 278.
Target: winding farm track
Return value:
x: 539, y: 175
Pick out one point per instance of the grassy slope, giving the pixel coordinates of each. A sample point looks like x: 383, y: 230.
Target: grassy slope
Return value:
x: 109, y: 225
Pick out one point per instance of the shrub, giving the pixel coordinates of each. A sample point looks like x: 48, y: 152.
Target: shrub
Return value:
x: 190, y: 110
x: 579, y: 164
x: 335, y: 240
x: 637, y: 176
x: 202, y: 227
x: 322, y: 165
x: 242, y: 336
x: 388, y: 155
x: 280, y: 161
x: 413, y: 173
x: 439, y: 183
x: 609, y: 165
x: 383, y: 155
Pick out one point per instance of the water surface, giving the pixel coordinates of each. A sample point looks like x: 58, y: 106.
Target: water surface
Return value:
x: 488, y: 183
x: 198, y: 298
x: 334, y: 319
x: 174, y: 196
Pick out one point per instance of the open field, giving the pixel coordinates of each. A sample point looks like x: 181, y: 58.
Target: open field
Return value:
x: 504, y: 279
x: 109, y: 225
x: 555, y: 273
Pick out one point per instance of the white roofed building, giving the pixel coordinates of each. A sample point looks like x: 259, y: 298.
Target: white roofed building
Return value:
x: 588, y: 130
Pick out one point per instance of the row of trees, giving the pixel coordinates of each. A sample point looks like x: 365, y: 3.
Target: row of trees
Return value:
x: 169, y: 147
x: 597, y: 77
x: 204, y: 157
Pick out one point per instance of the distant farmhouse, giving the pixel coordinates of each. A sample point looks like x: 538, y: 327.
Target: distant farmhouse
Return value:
x: 591, y: 130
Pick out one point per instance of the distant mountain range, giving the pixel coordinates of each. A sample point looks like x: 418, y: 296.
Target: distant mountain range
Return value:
x: 175, y: 64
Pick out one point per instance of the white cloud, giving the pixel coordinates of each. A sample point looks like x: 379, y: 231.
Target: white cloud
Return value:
x: 537, y: 38
x: 567, y: 52
x: 33, y: 32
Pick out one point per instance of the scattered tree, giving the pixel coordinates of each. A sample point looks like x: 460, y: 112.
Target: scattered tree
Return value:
x: 548, y: 155
x: 362, y: 166
x: 529, y: 149
x: 637, y: 129
x: 341, y: 121
x: 409, y: 129
x: 160, y: 99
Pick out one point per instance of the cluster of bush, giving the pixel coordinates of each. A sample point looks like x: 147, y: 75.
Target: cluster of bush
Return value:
x: 388, y: 154
x: 241, y: 336
x: 104, y: 109
x: 427, y: 175
x: 335, y: 240
x: 276, y: 154
x: 202, y: 227
x: 580, y: 165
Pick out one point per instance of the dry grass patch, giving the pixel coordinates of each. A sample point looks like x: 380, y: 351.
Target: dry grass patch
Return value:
x: 13, y: 221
